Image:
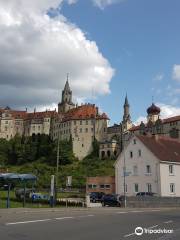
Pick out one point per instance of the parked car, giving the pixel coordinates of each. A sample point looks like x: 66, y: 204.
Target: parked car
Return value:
x: 112, y: 200
x: 96, y: 196
x: 145, y: 194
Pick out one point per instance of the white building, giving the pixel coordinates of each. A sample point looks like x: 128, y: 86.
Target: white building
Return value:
x: 152, y: 164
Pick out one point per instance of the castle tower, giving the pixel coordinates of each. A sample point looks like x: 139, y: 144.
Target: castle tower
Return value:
x: 153, y: 113
x: 126, y: 123
x: 126, y: 115
x: 66, y: 103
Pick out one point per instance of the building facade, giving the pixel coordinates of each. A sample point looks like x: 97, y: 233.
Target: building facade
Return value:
x: 114, y: 139
x: 149, y: 164
x: 105, y: 184
x: 169, y: 127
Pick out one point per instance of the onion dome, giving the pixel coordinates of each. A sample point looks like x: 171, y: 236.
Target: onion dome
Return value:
x: 153, y: 109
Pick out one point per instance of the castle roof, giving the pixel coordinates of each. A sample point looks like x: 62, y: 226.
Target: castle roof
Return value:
x: 45, y: 114
x: 87, y: 111
x: 153, y: 109
x: 164, y: 121
x: 164, y: 148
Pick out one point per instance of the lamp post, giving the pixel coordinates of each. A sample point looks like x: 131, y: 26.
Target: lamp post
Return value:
x: 57, y: 166
x: 124, y: 171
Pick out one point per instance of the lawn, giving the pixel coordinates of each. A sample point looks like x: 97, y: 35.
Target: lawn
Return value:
x: 14, y: 203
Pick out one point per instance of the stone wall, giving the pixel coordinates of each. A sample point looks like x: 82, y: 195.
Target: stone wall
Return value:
x: 153, y: 202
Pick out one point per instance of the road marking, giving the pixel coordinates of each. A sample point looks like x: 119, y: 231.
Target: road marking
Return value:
x: 128, y: 235
x: 62, y: 218
x: 33, y: 221
x: 122, y: 212
x: 155, y: 210
x: 152, y: 227
x: 170, y: 221
x: 84, y: 216
x: 136, y: 211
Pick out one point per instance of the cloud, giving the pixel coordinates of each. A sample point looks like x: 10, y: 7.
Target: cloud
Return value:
x: 158, y: 77
x: 37, y: 52
x: 104, y: 3
x: 166, y: 112
x: 139, y: 120
x: 176, y: 72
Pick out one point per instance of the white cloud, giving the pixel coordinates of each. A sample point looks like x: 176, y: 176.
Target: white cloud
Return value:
x: 139, y: 120
x: 72, y: 1
x: 176, y: 72
x: 158, y: 77
x: 104, y: 3
x: 38, y: 51
x: 166, y: 112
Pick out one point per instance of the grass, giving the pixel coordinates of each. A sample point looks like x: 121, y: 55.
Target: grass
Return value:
x: 14, y: 203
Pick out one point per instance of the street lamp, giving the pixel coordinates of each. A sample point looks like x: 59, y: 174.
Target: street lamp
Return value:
x: 57, y: 166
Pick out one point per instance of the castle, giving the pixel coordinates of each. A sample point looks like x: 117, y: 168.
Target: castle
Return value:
x: 83, y: 124
x: 118, y: 135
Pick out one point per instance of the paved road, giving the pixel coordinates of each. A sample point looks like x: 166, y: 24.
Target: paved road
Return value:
x: 83, y: 224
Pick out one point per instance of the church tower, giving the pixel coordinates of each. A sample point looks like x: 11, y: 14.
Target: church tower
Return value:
x: 126, y: 123
x: 66, y: 103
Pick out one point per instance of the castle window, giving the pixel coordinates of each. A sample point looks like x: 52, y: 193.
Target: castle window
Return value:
x: 131, y: 154
x: 81, y: 122
x: 80, y: 130
x: 108, y: 153
x: 86, y: 130
x: 139, y: 153
x: 86, y: 122
x: 74, y: 122
x: 82, y: 145
x: 92, y: 129
x: 103, y: 154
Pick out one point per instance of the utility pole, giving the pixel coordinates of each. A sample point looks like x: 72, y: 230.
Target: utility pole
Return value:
x: 57, y: 165
x: 124, y: 169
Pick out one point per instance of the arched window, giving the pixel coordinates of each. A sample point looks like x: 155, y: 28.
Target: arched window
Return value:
x: 103, y: 154
x: 108, y: 153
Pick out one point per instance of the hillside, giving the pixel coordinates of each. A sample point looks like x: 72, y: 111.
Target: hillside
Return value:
x: 37, y: 155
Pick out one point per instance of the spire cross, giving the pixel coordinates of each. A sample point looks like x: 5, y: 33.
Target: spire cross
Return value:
x: 152, y: 99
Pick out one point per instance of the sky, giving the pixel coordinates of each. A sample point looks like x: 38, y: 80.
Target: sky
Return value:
x: 108, y: 47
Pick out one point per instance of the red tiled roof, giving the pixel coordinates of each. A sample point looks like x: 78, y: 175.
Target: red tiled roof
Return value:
x: 44, y: 114
x: 166, y: 120
x: 164, y: 148
x: 172, y: 119
x: 18, y: 114
x: 134, y: 128
x: 86, y: 111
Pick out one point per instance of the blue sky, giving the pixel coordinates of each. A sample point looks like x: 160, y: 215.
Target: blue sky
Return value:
x: 109, y: 48
x: 141, y: 40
